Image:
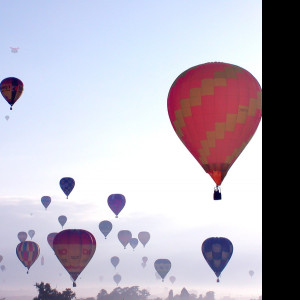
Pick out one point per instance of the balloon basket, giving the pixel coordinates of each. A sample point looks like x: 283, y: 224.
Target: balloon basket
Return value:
x: 217, y: 193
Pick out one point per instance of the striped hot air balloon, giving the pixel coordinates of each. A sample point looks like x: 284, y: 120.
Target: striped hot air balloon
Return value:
x: 28, y: 252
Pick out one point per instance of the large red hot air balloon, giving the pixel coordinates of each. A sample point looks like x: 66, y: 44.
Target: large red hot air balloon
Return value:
x: 11, y: 90
x: 215, y: 109
x: 74, y: 248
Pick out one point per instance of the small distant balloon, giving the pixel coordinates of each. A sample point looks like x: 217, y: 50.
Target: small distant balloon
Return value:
x: 133, y: 242
x: 144, y: 259
x: 67, y: 184
x: 172, y: 279
x: 6, y: 117
x: 22, y: 236
x: 117, y: 278
x: 144, y: 237
x: 31, y: 233
x: 251, y: 273
x: 116, y: 203
x: 28, y: 252
x: 42, y: 260
x: 62, y: 220
x: 124, y: 237
x: 46, y: 200
x: 14, y: 49
x: 2, y: 268
x: 105, y: 227
x: 162, y: 267
x: 11, y: 90
x: 1, y: 258
x: 115, y: 261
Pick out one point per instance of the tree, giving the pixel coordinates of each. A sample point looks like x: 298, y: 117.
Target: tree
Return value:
x: 127, y: 293
x: 46, y: 293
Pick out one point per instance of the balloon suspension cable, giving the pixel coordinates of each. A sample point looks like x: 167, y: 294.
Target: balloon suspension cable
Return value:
x: 217, y: 193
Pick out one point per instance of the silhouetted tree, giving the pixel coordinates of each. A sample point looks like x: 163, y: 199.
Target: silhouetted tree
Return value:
x: 170, y: 297
x: 209, y: 296
x: 127, y: 293
x: 46, y: 293
x: 184, y: 295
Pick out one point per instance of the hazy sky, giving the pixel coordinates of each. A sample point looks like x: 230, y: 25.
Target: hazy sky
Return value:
x: 96, y: 78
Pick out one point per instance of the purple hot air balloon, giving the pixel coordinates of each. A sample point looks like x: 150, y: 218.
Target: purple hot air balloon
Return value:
x: 116, y: 202
x: 67, y: 184
x: 46, y: 200
x: 124, y: 237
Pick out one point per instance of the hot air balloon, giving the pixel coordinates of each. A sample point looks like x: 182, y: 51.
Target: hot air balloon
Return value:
x: 2, y: 268
x: 50, y: 238
x: 117, y: 278
x: 215, y: 109
x: 31, y: 233
x: 74, y: 248
x: 1, y: 258
x: 62, y: 220
x: 124, y: 237
x: 144, y: 259
x: 67, y: 184
x: 28, y: 252
x: 144, y: 237
x: 172, y: 279
x: 105, y: 227
x: 133, y: 242
x: 22, y: 236
x: 6, y: 118
x: 11, y: 90
x: 251, y: 273
x: 46, y: 200
x: 162, y: 267
x: 42, y: 260
x: 115, y: 261
x: 116, y: 202
x: 217, y: 252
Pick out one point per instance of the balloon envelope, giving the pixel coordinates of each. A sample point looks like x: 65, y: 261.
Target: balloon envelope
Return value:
x: 162, y: 267
x: 115, y: 261
x: 22, y: 236
x: 133, y: 242
x: 62, y: 220
x: 31, y: 233
x: 74, y: 248
x: 46, y: 200
x: 50, y: 238
x: 217, y: 252
x: 27, y: 252
x: 124, y: 237
x: 117, y: 278
x: 105, y: 227
x: 251, y: 273
x: 144, y: 259
x: 116, y: 202
x: 6, y: 118
x: 1, y: 258
x: 67, y: 184
x: 144, y: 237
x: 215, y: 109
x: 172, y: 279
x: 11, y: 89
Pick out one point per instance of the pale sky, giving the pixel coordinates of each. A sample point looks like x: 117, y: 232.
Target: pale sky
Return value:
x: 96, y: 78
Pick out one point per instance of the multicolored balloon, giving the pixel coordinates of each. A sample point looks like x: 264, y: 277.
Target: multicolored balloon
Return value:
x: 115, y: 261
x: 67, y: 184
x: 124, y: 237
x: 144, y: 237
x: 217, y: 251
x: 11, y: 90
x: 105, y: 227
x: 46, y: 200
x: 74, y: 248
x: 215, y: 109
x: 28, y: 252
x: 116, y: 202
x: 162, y: 267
